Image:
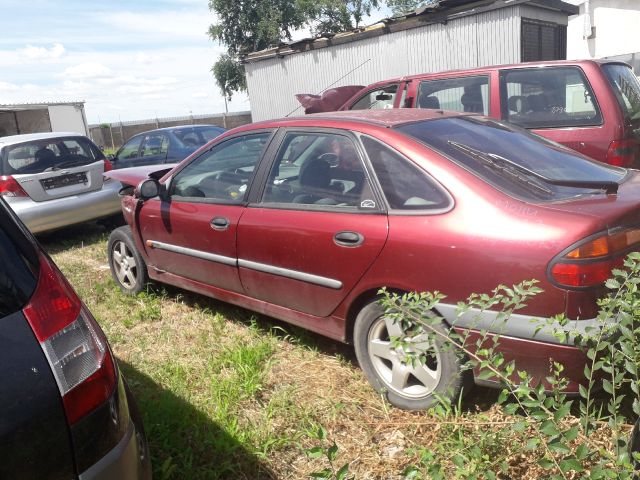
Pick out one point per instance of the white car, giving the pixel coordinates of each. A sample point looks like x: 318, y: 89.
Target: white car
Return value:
x: 52, y: 180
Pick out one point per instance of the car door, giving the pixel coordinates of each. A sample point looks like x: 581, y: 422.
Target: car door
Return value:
x: 128, y: 153
x: 316, y: 227
x: 192, y: 232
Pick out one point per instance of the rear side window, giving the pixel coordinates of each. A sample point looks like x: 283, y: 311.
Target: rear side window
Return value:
x: 48, y: 154
x: 405, y: 185
x: 626, y: 88
x: 379, y: 99
x: 17, y: 276
x: 513, y: 160
x: 466, y: 94
x: 549, y: 97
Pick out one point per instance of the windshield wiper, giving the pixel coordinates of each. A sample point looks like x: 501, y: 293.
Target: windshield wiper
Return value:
x: 499, y: 162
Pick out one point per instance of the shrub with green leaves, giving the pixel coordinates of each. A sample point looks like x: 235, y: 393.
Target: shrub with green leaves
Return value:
x: 564, y: 435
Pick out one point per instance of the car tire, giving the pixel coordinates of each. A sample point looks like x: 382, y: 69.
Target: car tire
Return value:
x: 411, y: 388
x: 128, y: 269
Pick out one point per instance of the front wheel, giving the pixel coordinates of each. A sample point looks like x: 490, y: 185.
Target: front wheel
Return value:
x: 410, y: 387
x: 127, y: 266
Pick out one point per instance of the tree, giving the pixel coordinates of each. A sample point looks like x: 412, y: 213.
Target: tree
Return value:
x: 400, y: 7
x: 249, y: 26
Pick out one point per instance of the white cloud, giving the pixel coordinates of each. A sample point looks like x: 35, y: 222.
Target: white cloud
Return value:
x: 86, y: 70
x: 43, y: 53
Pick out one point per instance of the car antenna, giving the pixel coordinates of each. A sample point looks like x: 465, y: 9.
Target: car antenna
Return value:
x: 328, y: 86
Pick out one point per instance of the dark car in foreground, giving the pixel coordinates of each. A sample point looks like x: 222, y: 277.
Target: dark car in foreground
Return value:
x: 164, y: 145
x: 305, y: 219
x: 53, y: 180
x: 66, y: 411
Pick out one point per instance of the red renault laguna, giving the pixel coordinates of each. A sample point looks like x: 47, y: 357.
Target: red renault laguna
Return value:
x: 305, y: 219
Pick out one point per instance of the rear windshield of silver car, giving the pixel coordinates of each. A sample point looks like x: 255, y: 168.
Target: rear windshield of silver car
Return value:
x: 515, y: 161
x: 47, y: 155
x: 18, y: 273
x: 626, y: 88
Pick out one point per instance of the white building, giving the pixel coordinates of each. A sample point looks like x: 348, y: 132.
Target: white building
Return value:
x: 43, y: 117
x: 605, y: 29
x: 457, y: 34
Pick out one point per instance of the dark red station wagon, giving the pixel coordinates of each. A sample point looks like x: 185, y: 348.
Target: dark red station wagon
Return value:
x: 305, y: 219
x: 592, y: 106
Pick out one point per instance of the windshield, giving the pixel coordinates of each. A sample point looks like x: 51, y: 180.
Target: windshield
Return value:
x: 47, y: 155
x: 515, y: 161
x: 626, y: 87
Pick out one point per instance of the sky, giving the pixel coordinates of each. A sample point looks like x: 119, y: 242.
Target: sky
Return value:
x: 127, y: 59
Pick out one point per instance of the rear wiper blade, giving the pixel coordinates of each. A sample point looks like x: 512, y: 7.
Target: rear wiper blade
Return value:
x: 610, y: 187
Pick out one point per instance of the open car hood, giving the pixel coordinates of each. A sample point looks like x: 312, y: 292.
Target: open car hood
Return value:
x: 330, y: 100
x: 134, y: 175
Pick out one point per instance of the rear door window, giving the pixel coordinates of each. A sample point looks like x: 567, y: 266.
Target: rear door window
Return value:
x: 466, y: 94
x: 626, y: 88
x: 513, y: 160
x: 549, y: 97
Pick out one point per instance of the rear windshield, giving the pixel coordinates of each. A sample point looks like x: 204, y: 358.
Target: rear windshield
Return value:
x: 515, y: 161
x: 17, y: 274
x: 196, y: 137
x: 48, y: 154
x: 626, y: 87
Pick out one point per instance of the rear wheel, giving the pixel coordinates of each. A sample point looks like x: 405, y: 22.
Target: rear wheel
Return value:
x: 127, y: 266
x: 410, y: 387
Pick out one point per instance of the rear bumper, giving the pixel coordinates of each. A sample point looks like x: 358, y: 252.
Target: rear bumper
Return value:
x: 62, y: 212
x: 129, y: 460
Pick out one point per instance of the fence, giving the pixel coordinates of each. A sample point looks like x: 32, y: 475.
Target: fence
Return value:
x: 113, y: 135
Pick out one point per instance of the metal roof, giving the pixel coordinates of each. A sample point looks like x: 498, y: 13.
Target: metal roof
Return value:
x: 36, y: 105
x: 444, y: 11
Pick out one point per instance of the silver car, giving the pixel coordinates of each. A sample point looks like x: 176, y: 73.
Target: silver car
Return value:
x: 52, y: 180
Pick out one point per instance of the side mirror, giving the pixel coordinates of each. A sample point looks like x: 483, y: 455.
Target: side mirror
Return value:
x: 147, y: 189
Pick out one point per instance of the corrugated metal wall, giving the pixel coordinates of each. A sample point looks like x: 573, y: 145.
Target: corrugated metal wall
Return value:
x: 488, y: 38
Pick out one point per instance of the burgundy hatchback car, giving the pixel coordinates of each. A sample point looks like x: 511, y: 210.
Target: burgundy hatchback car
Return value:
x: 305, y: 219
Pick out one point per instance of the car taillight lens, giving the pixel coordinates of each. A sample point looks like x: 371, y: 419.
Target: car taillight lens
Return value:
x: 108, y: 166
x: 623, y: 153
x: 9, y: 187
x: 73, y: 343
x: 590, y: 263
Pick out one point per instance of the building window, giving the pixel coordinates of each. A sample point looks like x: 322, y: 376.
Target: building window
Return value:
x: 543, y: 41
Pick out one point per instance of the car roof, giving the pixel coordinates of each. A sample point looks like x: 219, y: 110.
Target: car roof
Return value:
x: 384, y: 118
x: 487, y: 68
x: 179, y: 127
x: 28, y: 137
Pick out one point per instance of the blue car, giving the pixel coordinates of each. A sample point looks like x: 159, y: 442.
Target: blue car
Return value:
x: 164, y: 145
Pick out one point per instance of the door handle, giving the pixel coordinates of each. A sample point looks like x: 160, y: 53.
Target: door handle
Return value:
x: 220, y: 223
x: 348, y: 239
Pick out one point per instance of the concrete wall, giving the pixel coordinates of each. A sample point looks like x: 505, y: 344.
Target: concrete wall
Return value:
x: 115, y: 134
x: 617, y: 29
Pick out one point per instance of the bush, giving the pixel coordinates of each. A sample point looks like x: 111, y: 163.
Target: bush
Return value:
x: 586, y: 437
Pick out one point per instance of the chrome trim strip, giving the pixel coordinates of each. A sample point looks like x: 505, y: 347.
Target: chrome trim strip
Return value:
x: 517, y: 325
x: 294, y: 274
x: 212, y: 257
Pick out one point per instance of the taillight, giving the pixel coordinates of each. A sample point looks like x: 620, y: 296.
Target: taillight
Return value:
x: 108, y: 166
x: 590, y: 263
x: 73, y: 343
x: 623, y: 153
x: 9, y: 187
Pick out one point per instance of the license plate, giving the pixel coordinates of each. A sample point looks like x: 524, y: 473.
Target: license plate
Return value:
x: 64, y: 180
